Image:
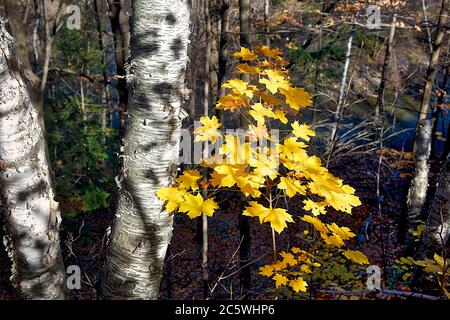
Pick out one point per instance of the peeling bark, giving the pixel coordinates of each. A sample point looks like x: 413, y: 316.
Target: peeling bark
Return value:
x: 32, y: 218
x: 142, y: 229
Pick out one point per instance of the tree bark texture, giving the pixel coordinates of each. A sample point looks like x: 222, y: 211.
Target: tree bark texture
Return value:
x: 419, y: 185
x: 432, y: 67
x: 142, y: 230
x: 437, y: 228
x: 32, y: 218
x: 379, y: 107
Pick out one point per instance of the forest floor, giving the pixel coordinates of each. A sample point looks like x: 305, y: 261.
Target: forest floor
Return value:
x: 84, y: 244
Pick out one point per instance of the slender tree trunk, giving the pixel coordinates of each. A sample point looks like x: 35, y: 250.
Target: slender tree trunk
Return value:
x: 419, y: 185
x: 341, y: 96
x: 206, y: 99
x: 244, y: 222
x: 106, y: 41
x: 142, y: 230
x: 32, y: 217
x: 437, y: 228
x: 266, y: 21
x: 437, y: 114
x: 379, y: 107
x: 432, y: 67
x: 223, y: 52
x: 214, y: 49
x: 119, y: 19
x: 225, y: 11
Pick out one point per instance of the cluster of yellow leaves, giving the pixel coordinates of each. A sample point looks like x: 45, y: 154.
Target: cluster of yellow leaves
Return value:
x: 183, y: 199
x: 438, y: 266
x: 265, y: 174
x: 271, y: 96
x: 291, y: 269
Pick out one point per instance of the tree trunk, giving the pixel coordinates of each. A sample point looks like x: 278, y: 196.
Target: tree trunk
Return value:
x: 437, y: 115
x: 341, y: 96
x: 225, y: 11
x: 244, y: 222
x: 206, y: 99
x: 142, y: 230
x: 32, y: 218
x: 432, y: 67
x: 266, y: 21
x: 437, y: 228
x: 119, y: 19
x: 379, y: 107
x: 418, y: 190
x: 106, y: 41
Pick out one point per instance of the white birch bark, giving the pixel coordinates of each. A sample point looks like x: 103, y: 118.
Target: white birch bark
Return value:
x: 437, y: 229
x: 142, y: 229
x: 31, y: 216
x: 417, y: 192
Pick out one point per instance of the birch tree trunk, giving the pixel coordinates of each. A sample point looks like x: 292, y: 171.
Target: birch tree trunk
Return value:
x: 437, y: 228
x: 32, y: 218
x: 419, y: 185
x: 340, y: 102
x: 142, y: 229
x: 432, y: 67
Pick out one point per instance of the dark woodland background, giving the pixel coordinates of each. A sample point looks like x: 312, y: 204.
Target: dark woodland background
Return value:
x: 85, y: 97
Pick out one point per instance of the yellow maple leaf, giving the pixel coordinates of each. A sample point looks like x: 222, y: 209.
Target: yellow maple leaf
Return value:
x: 342, y: 232
x: 246, y: 68
x: 269, y: 99
x: 269, y: 52
x: 315, y: 207
x: 228, y: 174
x: 266, y: 271
x: 298, y: 284
x: 302, y: 131
x: 209, y: 129
x: 189, y: 179
x: 333, y: 240
x: 293, y: 150
x: 318, y: 225
x: 277, y: 217
x: 259, y: 112
x: 280, y: 280
x: 232, y: 102
x: 239, y: 87
x: 280, y: 115
x: 296, y: 97
x: 288, y: 259
x: 245, y: 54
x: 258, y: 132
x: 172, y: 196
x: 276, y: 80
x: 250, y: 184
x: 195, y: 206
x: 291, y: 186
x: 439, y: 260
x: 356, y: 256
x: 305, y: 268
x: 236, y: 151
x: 264, y: 164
